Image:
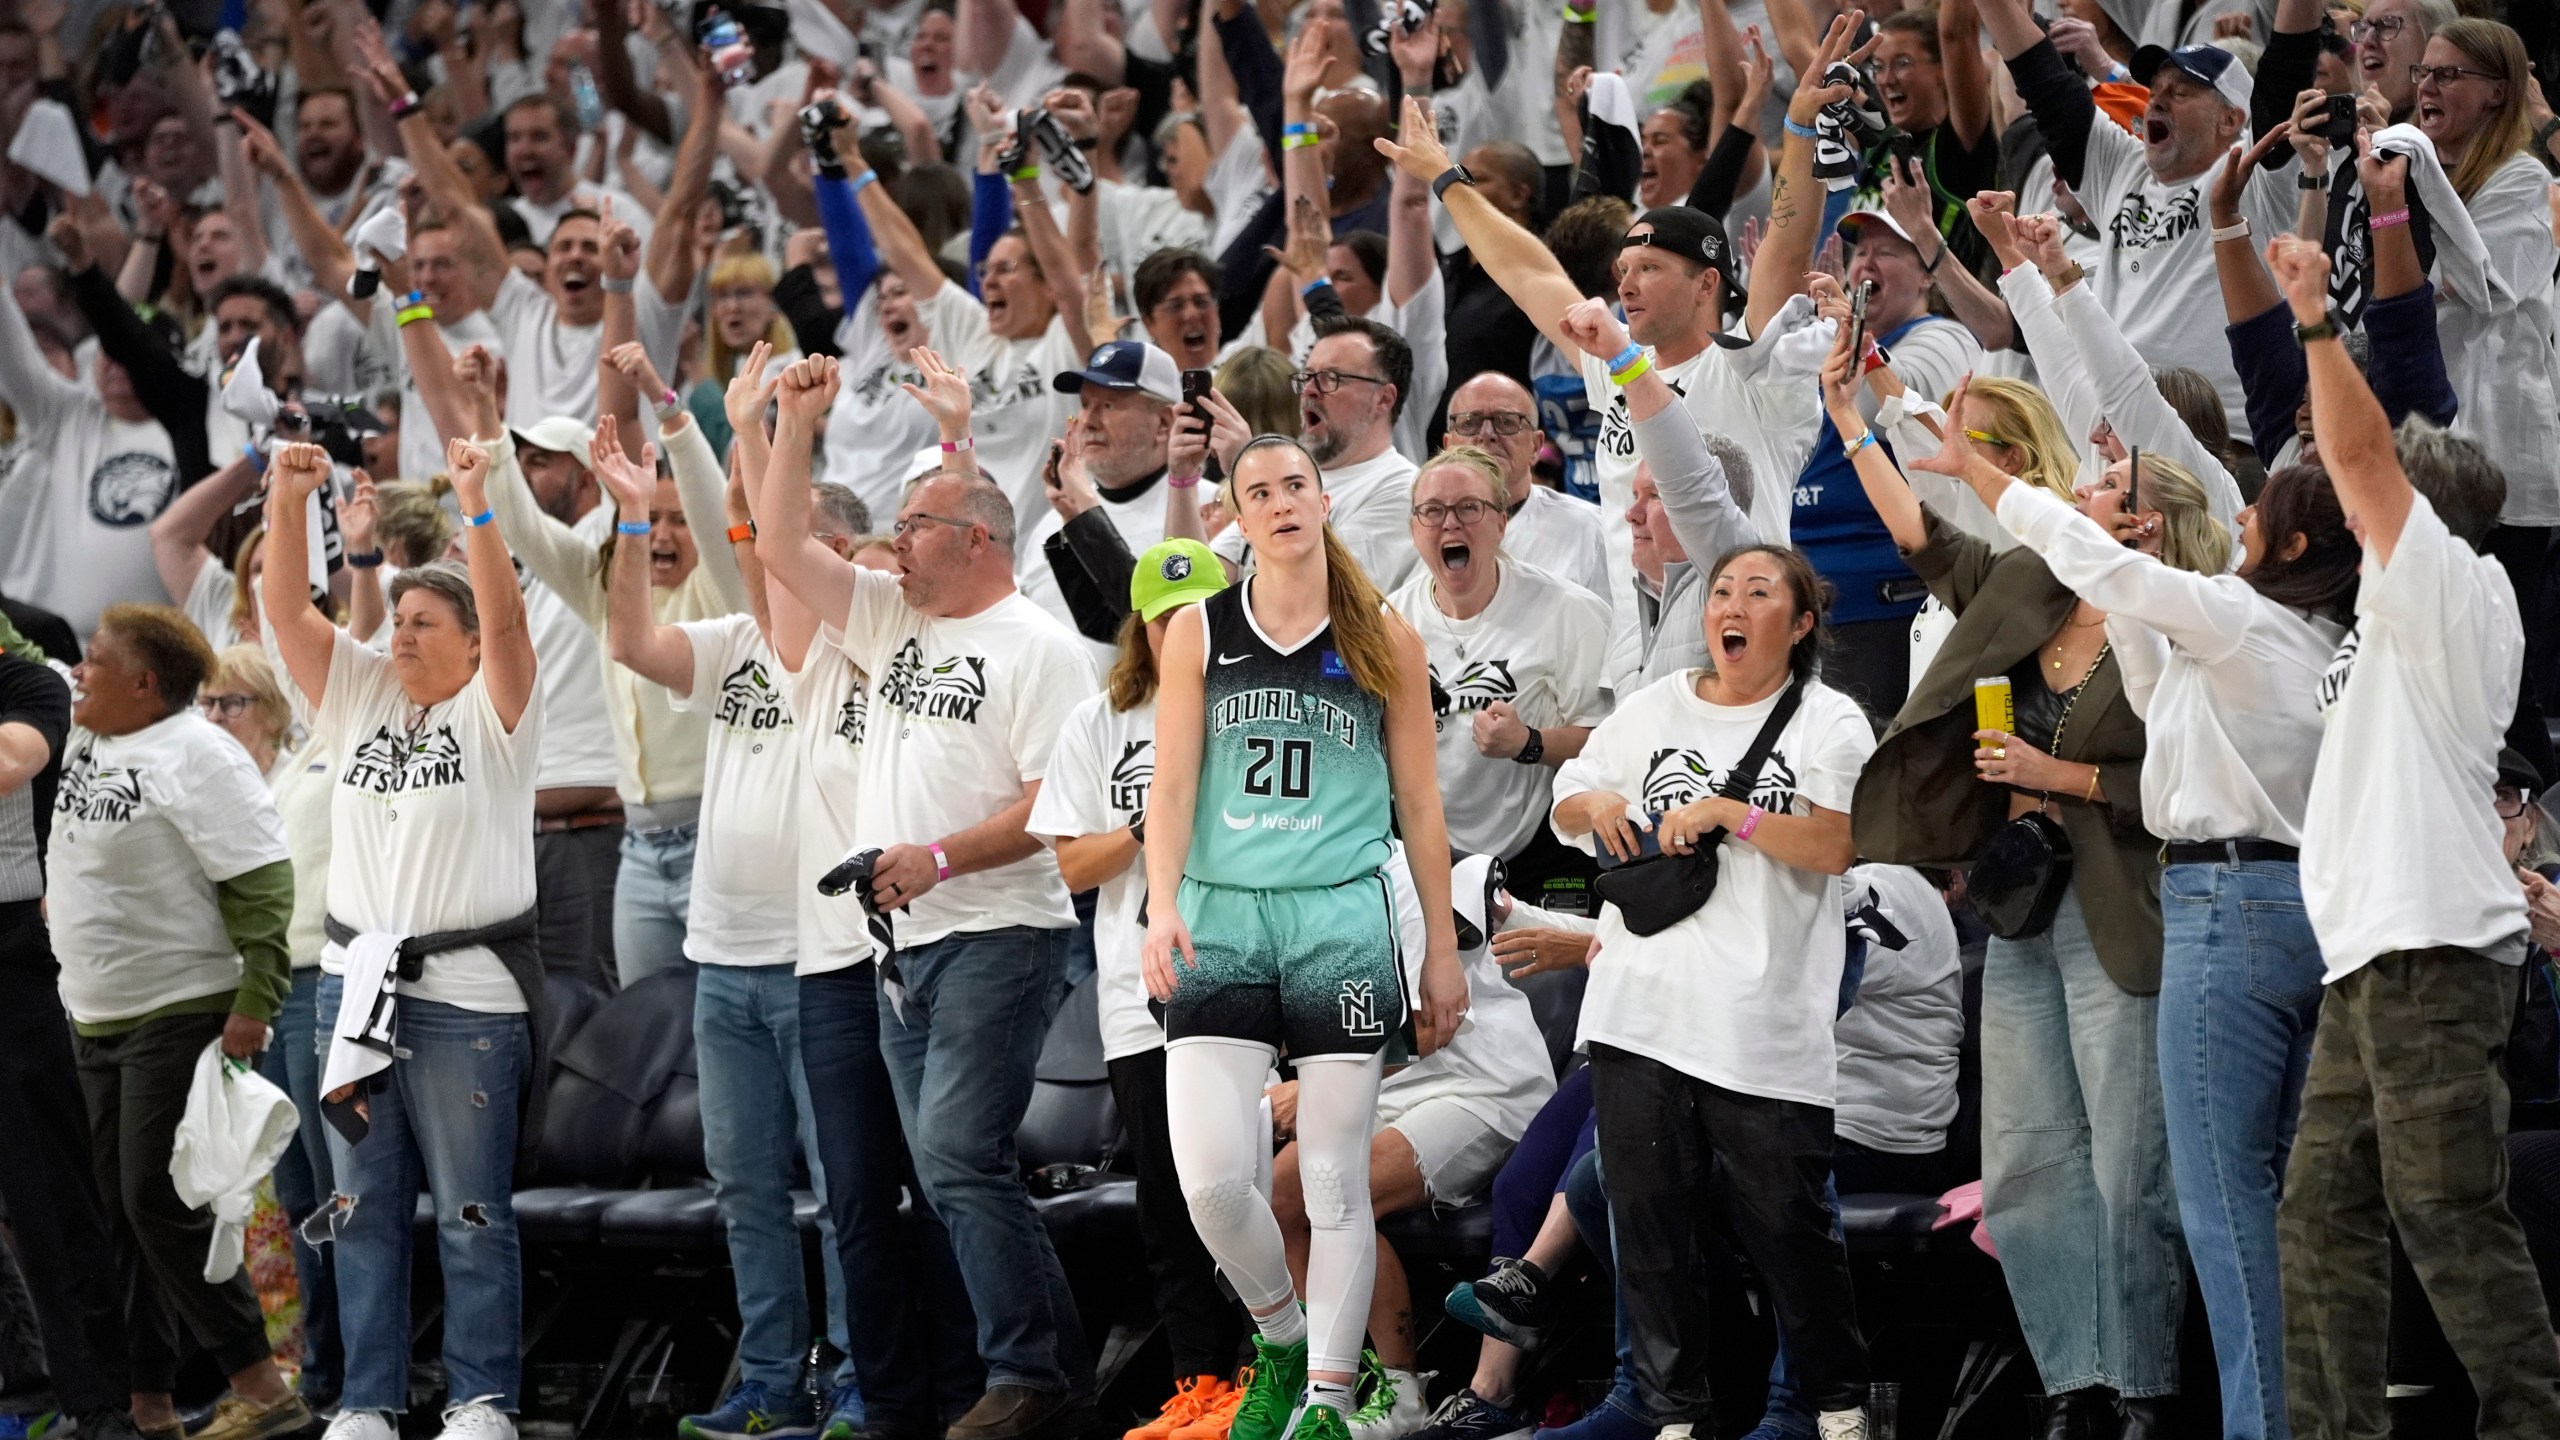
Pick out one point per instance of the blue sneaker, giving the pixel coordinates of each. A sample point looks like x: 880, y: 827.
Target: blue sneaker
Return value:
x: 1468, y: 1416
x: 844, y: 1414
x: 29, y: 1427
x: 751, y: 1412
x: 1602, y: 1422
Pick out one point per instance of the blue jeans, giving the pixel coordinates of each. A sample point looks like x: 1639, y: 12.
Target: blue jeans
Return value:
x: 304, y: 1177
x: 652, y: 897
x: 755, y: 1116
x: 913, y: 1378
x: 978, y: 1008
x: 445, y: 1118
x: 2239, y: 999
x: 2075, y: 1163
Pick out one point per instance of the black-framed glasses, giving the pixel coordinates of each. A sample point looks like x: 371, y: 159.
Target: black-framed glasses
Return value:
x: 1504, y: 423
x: 1470, y: 512
x: 2445, y: 74
x: 2512, y: 802
x: 2381, y: 27
x: 1325, y: 382
x: 231, y: 707
x: 906, y: 524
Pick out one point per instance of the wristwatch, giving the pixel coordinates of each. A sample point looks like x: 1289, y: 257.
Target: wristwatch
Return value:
x: 1534, y: 751
x: 1454, y: 175
x: 2325, y: 329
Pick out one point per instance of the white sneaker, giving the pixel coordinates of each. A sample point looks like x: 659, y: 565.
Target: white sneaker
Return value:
x: 360, y: 1425
x: 1674, y: 1432
x: 1842, y: 1424
x: 1395, y: 1407
x: 477, y: 1419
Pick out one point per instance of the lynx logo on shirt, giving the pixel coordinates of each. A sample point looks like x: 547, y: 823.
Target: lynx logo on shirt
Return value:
x: 2137, y: 226
x: 1131, y: 776
x: 2342, y: 667
x: 1677, y: 777
x: 849, y: 720
x: 986, y: 393
x: 389, y: 764
x: 131, y: 489
x: 1617, y: 435
x: 1477, y: 685
x: 749, y: 701
x: 95, y: 796
x: 956, y: 689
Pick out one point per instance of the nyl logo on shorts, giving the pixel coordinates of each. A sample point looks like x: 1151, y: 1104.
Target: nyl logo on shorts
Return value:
x: 1360, y: 1009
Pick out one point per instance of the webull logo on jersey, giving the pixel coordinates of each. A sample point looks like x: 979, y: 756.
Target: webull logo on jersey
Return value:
x: 1677, y: 777
x: 955, y: 689
x: 749, y: 701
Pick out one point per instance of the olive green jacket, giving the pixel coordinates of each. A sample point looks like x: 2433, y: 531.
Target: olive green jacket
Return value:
x: 1919, y: 801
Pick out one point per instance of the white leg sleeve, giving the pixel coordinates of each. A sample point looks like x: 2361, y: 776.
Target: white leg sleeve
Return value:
x: 1337, y: 1111
x: 1215, y: 1119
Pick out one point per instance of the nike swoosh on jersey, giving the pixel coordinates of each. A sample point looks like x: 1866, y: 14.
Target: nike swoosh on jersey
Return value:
x: 1232, y: 822
x: 1226, y: 659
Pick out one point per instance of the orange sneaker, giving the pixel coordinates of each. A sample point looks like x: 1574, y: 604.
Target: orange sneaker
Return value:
x: 1192, y: 1399
x: 1221, y: 1413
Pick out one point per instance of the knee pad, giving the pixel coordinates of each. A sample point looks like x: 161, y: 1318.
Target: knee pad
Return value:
x: 1328, y: 1194
x: 1222, y: 1204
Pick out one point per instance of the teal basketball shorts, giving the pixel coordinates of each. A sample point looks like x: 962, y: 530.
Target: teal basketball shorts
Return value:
x: 1311, y: 972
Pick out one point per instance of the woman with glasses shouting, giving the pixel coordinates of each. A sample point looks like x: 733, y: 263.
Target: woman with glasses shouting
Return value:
x: 1550, y: 529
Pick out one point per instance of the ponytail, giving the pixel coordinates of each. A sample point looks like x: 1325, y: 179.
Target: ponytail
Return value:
x: 1357, y: 610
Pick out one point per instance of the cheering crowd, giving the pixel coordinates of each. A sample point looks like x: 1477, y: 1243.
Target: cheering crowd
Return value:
x: 1305, y: 516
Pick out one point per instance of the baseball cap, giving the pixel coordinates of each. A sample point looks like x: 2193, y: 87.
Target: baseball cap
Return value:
x: 1690, y: 233
x: 557, y: 432
x: 2517, y: 770
x: 2205, y: 64
x: 1127, y: 365
x: 1174, y: 572
x: 1853, y: 223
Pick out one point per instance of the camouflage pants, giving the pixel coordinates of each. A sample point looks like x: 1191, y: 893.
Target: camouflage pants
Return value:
x: 2404, y: 1120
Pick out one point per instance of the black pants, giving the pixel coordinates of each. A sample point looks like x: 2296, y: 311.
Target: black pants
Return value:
x: 137, y: 1085
x: 49, y: 1185
x: 2525, y: 552
x: 573, y: 879
x: 1661, y: 1136
x: 1204, y: 1326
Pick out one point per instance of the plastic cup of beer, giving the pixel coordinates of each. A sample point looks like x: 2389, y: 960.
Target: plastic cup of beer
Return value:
x: 1995, y: 705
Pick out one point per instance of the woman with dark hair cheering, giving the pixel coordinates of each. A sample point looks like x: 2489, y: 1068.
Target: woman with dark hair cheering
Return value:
x: 431, y: 881
x: 1710, y: 1035
x: 2228, y: 667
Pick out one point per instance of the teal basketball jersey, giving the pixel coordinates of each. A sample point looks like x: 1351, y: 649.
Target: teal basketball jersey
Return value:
x: 1293, y: 778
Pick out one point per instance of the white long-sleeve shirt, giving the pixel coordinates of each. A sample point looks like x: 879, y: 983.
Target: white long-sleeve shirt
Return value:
x: 2233, y: 714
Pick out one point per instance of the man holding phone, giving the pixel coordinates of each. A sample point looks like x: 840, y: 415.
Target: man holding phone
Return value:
x: 1112, y: 459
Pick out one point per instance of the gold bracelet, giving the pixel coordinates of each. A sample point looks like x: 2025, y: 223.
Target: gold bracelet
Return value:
x: 2091, y: 796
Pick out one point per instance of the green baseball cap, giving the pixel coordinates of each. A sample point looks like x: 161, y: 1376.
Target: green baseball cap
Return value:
x: 1174, y: 572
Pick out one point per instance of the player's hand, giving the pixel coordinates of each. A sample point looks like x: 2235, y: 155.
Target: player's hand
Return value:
x: 1444, y: 998
x: 1167, y: 937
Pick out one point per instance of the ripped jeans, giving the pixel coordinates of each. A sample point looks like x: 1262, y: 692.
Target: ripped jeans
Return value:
x: 445, y: 1119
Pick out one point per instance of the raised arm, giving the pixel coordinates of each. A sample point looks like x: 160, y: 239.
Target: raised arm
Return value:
x: 1084, y: 45
x: 1413, y: 259
x: 507, y: 665
x: 986, y: 29
x: 324, y: 251
x: 619, y: 389
x: 701, y: 489
x: 1221, y: 112
x: 1795, y: 206
x: 178, y: 536
x: 304, y: 637
x: 240, y: 191
x: 821, y: 579
x: 671, y: 257
x: 1975, y: 305
x: 1969, y: 98
x: 1517, y: 260
x: 660, y: 653
x: 1057, y: 264
x: 2057, y: 98
x: 483, y: 255
x: 2353, y: 432
x: 1886, y: 490
x: 2132, y: 403
x: 28, y: 384
x: 460, y: 393
x: 895, y: 237
x: 620, y: 87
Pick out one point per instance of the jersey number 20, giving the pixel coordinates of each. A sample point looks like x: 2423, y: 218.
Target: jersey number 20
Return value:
x: 1294, y: 759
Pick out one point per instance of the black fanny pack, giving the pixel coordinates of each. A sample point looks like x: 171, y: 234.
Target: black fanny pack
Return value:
x: 2017, y: 885
x: 1656, y: 891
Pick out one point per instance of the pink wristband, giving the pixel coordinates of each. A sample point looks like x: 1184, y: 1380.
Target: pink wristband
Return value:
x: 965, y: 442
x: 1749, y: 823
x: 941, y: 863
x: 1182, y: 482
x: 2388, y: 219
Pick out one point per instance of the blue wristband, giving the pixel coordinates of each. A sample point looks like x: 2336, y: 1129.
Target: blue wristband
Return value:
x: 474, y: 522
x: 867, y: 177
x: 1806, y: 131
x: 1298, y: 127
x: 256, y: 457
x: 630, y: 527
x: 1318, y: 283
x: 1626, y: 357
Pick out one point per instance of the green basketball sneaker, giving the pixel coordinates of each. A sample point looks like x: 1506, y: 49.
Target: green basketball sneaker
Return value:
x: 1271, y: 1397
x: 1321, y: 1422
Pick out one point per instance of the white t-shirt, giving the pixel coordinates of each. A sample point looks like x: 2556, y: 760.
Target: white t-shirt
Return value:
x: 1372, y: 513
x: 304, y: 784
x: 837, y: 699
x: 1541, y: 644
x: 1028, y: 70
x: 1496, y: 1066
x: 540, y: 220
x: 1098, y: 778
x: 551, y: 365
x: 1238, y: 180
x: 433, y: 821
x: 1898, y: 1043
x: 2401, y: 848
x: 1743, y: 992
x: 144, y: 827
x: 1563, y: 536
x: 963, y: 715
x: 577, y: 728
x: 1014, y: 411
x: 1752, y: 396
x: 874, y: 429
x: 744, y: 912
x: 2502, y: 362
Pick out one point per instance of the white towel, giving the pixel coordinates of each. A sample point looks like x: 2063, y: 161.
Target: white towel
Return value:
x: 234, y: 1130
x: 368, y: 1012
x: 245, y: 395
x: 48, y: 142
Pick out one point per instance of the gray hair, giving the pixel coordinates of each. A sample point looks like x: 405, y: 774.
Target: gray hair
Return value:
x: 2434, y: 15
x: 1737, y: 469
x: 839, y: 509
x: 447, y: 579
x: 2465, y: 487
x: 982, y: 502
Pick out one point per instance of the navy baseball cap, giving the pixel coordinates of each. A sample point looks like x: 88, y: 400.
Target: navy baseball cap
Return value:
x: 1127, y: 365
x: 2209, y: 65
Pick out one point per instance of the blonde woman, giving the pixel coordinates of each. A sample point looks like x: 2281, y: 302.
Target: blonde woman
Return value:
x: 741, y: 315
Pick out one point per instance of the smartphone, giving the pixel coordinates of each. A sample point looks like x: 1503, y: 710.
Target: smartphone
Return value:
x: 1905, y: 148
x: 2133, y: 484
x: 1858, y: 323
x: 1648, y: 845
x: 1196, y: 383
x: 2337, y: 123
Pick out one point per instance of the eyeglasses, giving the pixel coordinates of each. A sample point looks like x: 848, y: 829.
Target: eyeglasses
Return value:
x: 2511, y: 802
x: 1176, y: 304
x: 1325, y: 382
x: 1001, y: 269
x: 225, y: 706
x: 2446, y: 74
x: 2380, y: 28
x: 1469, y: 511
x: 1900, y: 65
x: 907, y: 524
x: 1505, y: 423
